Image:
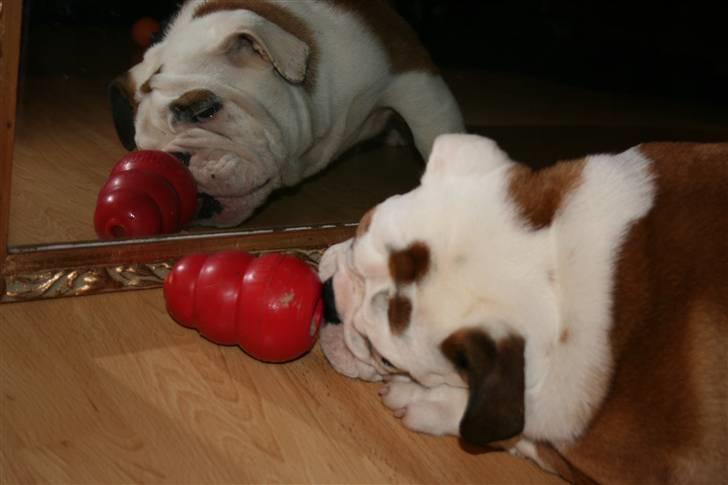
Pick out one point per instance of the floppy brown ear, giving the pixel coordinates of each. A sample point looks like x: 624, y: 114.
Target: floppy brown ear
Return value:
x: 495, y: 374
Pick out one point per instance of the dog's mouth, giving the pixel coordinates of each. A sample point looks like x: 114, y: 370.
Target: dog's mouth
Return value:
x: 211, y: 205
x: 257, y: 188
x: 208, y: 205
x: 331, y: 315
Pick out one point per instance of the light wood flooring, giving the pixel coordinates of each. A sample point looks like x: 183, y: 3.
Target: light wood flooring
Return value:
x: 108, y: 389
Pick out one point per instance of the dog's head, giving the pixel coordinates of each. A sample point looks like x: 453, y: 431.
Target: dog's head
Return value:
x: 220, y: 87
x: 446, y: 285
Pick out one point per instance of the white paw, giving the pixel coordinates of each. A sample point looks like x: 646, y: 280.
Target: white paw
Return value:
x: 429, y: 417
x: 435, y: 411
x: 399, y: 395
x: 525, y: 448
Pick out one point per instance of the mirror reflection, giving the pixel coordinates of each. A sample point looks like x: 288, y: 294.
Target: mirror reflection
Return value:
x: 301, y: 113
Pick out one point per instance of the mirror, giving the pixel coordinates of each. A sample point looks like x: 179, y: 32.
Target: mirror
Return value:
x: 549, y: 90
x: 66, y: 143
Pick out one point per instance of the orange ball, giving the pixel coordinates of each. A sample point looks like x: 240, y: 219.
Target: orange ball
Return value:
x: 142, y: 31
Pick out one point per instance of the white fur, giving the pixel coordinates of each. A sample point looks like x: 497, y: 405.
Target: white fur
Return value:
x: 489, y: 269
x: 572, y: 380
x: 273, y: 132
x: 437, y: 410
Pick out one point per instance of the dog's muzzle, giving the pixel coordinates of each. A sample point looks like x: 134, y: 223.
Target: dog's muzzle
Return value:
x: 327, y: 292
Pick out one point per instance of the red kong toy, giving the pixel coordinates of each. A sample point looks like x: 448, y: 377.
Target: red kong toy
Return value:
x: 271, y: 305
x: 148, y: 192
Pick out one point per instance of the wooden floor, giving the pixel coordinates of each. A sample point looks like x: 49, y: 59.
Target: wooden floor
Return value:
x: 108, y: 389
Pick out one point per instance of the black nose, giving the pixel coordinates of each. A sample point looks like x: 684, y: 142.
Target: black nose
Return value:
x: 330, y: 313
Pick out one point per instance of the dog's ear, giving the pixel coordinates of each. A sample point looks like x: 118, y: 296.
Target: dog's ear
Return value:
x: 287, y: 53
x: 495, y: 374
x: 461, y: 155
x: 121, y: 95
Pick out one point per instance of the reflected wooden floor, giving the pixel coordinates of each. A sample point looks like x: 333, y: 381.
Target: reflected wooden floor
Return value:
x: 66, y: 146
x: 108, y: 389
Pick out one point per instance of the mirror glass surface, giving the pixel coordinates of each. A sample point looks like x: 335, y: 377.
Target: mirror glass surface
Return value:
x: 547, y: 92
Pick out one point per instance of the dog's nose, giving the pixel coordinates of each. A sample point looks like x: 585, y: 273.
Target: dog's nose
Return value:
x: 327, y: 292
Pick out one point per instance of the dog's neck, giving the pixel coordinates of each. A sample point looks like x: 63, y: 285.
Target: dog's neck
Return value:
x: 586, y: 237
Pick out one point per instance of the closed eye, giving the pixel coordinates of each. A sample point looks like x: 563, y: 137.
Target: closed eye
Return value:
x: 387, y: 363
x: 196, y: 106
x: 207, y: 113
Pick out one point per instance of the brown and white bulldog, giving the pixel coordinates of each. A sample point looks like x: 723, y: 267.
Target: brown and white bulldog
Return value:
x: 579, y: 312
x: 261, y: 94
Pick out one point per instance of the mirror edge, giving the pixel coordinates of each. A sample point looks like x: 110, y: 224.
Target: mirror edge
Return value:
x: 10, y: 24
x: 75, y: 269
x: 57, y: 270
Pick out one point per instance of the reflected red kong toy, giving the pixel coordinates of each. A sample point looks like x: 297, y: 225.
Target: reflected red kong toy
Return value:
x: 271, y: 305
x: 148, y: 192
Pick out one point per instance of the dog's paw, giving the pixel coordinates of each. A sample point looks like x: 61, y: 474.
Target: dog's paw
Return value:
x: 398, y: 395
x: 435, y: 411
x: 429, y: 417
x: 525, y: 448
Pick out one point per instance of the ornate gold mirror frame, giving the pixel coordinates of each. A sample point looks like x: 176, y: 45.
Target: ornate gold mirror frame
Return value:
x: 69, y: 269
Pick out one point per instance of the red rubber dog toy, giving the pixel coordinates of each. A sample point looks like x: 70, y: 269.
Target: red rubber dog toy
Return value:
x: 270, y: 306
x: 148, y: 192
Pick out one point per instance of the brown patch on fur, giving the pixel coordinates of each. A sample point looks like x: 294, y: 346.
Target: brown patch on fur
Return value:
x: 564, y: 337
x: 496, y: 378
x: 539, y: 194
x: 365, y: 222
x: 396, y: 37
x: 146, y: 87
x: 453, y: 349
x: 399, y: 313
x: 278, y: 15
x: 664, y: 419
x: 411, y: 264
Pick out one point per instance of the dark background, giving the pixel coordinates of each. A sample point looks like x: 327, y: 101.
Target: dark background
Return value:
x: 678, y: 49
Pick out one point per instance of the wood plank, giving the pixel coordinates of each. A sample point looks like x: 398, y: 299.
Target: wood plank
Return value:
x: 109, y: 389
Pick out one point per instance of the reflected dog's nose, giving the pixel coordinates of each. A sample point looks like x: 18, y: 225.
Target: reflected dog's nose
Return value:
x: 327, y: 293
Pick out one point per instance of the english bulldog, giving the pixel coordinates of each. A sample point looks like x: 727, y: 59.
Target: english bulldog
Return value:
x: 260, y: 94
x: 577, y: 315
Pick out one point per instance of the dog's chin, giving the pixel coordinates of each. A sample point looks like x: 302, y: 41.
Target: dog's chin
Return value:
x: 232, y: 211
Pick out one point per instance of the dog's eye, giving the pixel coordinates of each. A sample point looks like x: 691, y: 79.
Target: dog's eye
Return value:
x: 207, y: 113
x: 387, y: 363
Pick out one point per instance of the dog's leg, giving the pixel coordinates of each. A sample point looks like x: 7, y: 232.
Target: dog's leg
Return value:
x: 435, y: 411
x: 427, y: 106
